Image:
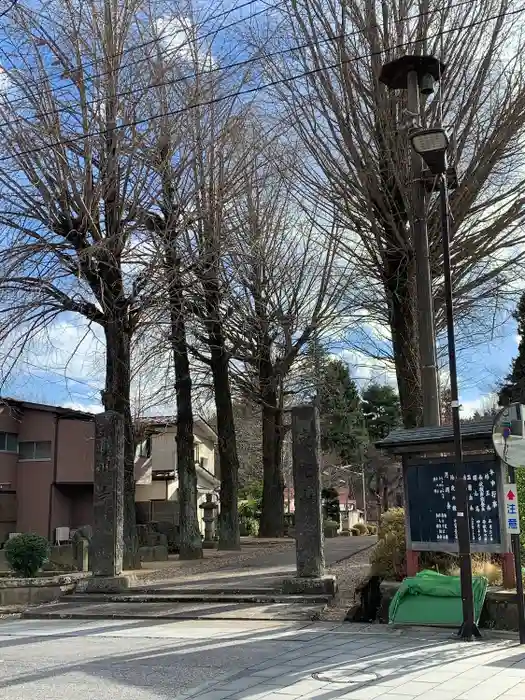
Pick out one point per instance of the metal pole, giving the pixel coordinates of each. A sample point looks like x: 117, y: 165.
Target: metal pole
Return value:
x: 427, y: 341
x: 468, y: 628
x: 516, y: 549
x: 364, y: 495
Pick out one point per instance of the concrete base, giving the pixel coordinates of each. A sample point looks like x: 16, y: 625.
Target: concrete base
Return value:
x: 30, y: 591
x: 324, y: 585
x: 107, y: 584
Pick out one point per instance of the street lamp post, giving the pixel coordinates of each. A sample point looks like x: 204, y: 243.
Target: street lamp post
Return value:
x: 418, y: 75
x: 432, y: 145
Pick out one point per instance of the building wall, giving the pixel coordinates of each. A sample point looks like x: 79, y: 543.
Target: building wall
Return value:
x: 8, y: 460
x: 82, y: 507
x: 164, y: 451
x: 60, y: 510
x: 33, y: 497
x: 41, y: 495
x: 35, y: 477
x: 75, y: 451
x: 156, y: 491
x: 206, y: 450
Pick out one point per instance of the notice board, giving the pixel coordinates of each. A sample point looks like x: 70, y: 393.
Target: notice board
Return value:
x: 430, y: 491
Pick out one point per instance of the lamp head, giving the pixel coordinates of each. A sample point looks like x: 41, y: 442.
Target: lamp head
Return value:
x: 431, y: 145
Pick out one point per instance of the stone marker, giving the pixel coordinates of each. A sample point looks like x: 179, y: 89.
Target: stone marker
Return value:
x: 108, y: 497
x: 309, y: 537
x: 208, y: 515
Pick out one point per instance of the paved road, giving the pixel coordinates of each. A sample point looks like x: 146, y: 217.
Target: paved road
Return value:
x: 118, y: 660
x: 268, y: 569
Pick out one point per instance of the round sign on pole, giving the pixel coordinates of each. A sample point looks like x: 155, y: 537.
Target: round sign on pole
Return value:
x: 508, y: 435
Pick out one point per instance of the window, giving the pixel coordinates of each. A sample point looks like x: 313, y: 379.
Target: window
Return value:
x: 34, y: 451
x: 8, y: 442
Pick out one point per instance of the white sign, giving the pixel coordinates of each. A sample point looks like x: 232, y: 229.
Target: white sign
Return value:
x: 512, y: 516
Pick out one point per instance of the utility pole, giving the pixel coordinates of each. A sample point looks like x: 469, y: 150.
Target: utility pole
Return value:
x: 427, y: 340
x: 417, y: 74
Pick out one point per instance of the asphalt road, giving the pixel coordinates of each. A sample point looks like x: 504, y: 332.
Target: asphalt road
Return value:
x: 120, y: 660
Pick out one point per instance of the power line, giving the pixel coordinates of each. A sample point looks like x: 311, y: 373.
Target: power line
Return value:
x: 260, y: 88
x: 238, y: 64
x: 89, y: 64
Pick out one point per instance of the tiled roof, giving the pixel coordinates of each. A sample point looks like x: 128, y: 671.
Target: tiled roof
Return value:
x: 470, y: 430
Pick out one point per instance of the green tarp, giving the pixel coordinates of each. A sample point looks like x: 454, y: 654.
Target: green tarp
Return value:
x: 430, y: 598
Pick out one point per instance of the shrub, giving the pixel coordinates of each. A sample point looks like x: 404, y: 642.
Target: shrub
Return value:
x: 330, y: 525
x: 393, y: 521
x: 388, y: 558
x: 248, y: 509
x: 372, y: 529
x: 26, y: 553
x: 355, y: 532
x: 330, y: 528
x: 361, y: 527
x: 249, y: 526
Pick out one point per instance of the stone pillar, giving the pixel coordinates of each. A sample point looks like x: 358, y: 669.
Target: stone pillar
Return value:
x: 306, y: 455
x: 108, y: 495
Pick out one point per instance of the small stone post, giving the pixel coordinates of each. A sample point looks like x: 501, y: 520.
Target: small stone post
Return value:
x: 208, y: 515
x: 108, y: 495
x: 306, y: 454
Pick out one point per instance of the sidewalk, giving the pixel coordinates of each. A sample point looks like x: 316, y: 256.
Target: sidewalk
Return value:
x: 369, y: 662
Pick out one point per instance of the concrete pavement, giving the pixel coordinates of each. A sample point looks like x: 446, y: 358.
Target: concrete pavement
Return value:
x: 225, y: 660
x: 268, y: 570
x: 246, y: 590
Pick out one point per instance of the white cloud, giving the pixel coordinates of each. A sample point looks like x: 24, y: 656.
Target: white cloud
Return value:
x: 86, y: 407
x: 181, y: 41
x: 484, y: 402
x: 366, y: 370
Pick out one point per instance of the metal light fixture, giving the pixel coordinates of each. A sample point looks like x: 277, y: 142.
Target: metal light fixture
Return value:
x: 431, y: 145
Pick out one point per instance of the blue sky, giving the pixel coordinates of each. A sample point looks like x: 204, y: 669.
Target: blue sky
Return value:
x: 60, y: 371
x: 56, y: 371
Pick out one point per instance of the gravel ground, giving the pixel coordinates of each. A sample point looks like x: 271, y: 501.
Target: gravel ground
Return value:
x: 182, y: 570
x: 349, y: 574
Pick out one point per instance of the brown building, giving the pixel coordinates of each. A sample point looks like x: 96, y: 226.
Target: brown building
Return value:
x: 46, y: 467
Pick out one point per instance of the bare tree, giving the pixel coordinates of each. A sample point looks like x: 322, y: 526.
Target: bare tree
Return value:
x: 355, y: 132
x: 72, y: 183
x: 286, y: 282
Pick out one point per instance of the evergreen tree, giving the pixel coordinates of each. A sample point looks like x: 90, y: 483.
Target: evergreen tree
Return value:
x: 342, y: 421
x: 330, y: 498
x: 382, y: 412
x: 381, y: 409
x: 514, y: 387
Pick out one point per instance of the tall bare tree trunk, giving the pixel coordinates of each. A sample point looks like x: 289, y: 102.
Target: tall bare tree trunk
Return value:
x: 190, y: 536
x: 400, y: 292
x: 116, y: 397
x: 229, y: 538
x: 272, y: 515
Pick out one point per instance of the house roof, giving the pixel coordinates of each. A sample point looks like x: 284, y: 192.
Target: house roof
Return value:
x: 62, y: 411
x: 470, y: 430
x: 171, y: 421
